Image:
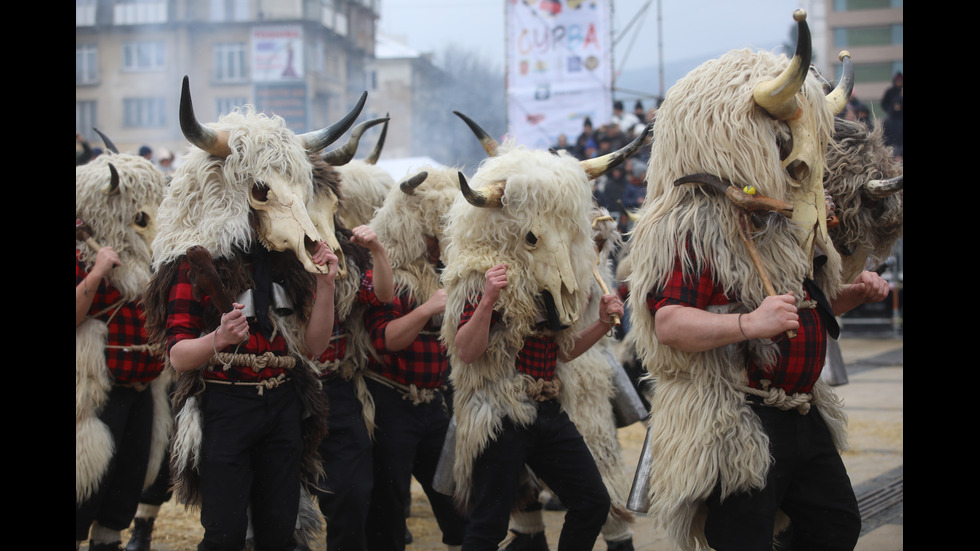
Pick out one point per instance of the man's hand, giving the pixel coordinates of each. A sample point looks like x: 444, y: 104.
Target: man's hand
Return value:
x: 436, y: 303
x: 323, y: 256
x: 496, y: 281
x: 777, y: 314
x: 105, y: 260
x: 609, y: 306
x: 233, y: 328
x: 365, y: 237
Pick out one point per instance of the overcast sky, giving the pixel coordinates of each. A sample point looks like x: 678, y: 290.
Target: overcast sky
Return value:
x: 691, y: 28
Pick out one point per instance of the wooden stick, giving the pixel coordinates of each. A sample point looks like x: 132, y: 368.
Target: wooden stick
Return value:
x: 83, y: 232
x: 605, y: 291
x: 743, y: 232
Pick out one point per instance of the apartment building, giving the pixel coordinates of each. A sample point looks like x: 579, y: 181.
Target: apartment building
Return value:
x: 301, y: 59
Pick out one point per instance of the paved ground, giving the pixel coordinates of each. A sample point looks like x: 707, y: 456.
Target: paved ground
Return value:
x: 873, y: 399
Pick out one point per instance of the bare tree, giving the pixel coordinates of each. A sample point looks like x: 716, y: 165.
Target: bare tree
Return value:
x: 472, y: 86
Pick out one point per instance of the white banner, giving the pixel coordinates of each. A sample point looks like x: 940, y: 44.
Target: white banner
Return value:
x: 559, y: 68
x: 277, y: 53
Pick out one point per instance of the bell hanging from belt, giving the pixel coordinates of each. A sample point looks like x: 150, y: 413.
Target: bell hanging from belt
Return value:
x: 248, y: 300
x: 280, y: 300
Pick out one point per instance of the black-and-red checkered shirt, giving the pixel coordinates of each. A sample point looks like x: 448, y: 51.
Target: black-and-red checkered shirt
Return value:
x: 539, y: 355
x: 185, y: 321
x: 422, y: 363
x: 338, y: 337
x: 125, y: 330
x: 800, y: 359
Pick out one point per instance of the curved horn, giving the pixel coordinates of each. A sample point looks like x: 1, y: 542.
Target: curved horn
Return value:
x: 600, y: 165
x: 490, y: 145
x: 879, y: 189
x: 839, y: 96
x: 778, y: 96
x: 113, y: 185
x: 108, y: 143
x: 343, y: 154
x: 214, y: 142
x: 372, y: 158
x: 408, y: 186
x: 318, y: 139
x: 483, y: 199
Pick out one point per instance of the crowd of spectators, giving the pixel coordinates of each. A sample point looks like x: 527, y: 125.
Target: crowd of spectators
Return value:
x: 623, y: 188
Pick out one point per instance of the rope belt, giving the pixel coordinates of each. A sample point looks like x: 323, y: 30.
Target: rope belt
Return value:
x: 256, y: 362
x: 147, y: 348
x: 326, y: 367
x: 260, y: 385
x: 541, y: 390
x: 409, y: 392
x: 777, y: 397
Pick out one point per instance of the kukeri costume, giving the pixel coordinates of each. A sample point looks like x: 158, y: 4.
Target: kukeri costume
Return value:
x: 532, y: 214
x: 121, y: 415
x: 409, y: 384
x: 719, y: 418
x: 249, y: 422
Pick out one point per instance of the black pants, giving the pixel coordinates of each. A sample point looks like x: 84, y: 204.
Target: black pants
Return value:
x: 807, y: 480
x: 555, y: 451
x: 407, y: 442
x: 346, y: 456
x: 250, y: 455
x: 129, y: 415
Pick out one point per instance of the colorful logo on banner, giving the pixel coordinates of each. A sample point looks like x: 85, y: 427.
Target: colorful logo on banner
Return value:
x: 559, y: 67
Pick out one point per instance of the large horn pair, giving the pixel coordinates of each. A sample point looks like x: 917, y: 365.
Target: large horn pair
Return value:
x: 778, y: 96
x: 215, y: 142
x: 491, y: 196
x: 343, y: 154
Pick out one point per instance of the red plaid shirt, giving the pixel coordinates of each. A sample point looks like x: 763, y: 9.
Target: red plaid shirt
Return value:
x: 338, y: 337
x: 537, y: 358
x: 185, y: 321
x: 800, y: 359
x: 125, y: 329
x: 422, y: 363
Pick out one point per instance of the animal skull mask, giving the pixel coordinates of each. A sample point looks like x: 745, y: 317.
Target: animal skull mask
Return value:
x: 279, y: 199
x: 804, y: 150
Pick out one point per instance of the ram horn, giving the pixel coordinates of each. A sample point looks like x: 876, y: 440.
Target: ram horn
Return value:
x: 113, y: 185
x: 372, y: 158
x: 209, y: 140
x: 343, y: 154
x: 778, y: 96
x: 488, y: 197
x: 108, y: 143
x: 490, y: 145
x: 842, y: 93
x: 318, y: 139
x: 409, y: 185
x: 600, y: 165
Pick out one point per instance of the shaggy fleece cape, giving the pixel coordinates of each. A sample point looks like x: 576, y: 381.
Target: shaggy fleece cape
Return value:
x: 550, y: 196
x: 110, y: 217
x: 702, y: 430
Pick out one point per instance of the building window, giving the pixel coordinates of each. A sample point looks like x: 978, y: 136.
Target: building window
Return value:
x: 139, y: 12
x: 227, y: 105
x: 229, y: 10
x: 84, y: 13
x: 229, y: 62
x: 856, y: 5
x: 871, y: 72
x: 144, y: 112
x: 883, y: 35
x: 85, y: 119
x: 86, y: 64
x: 144, y: 56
